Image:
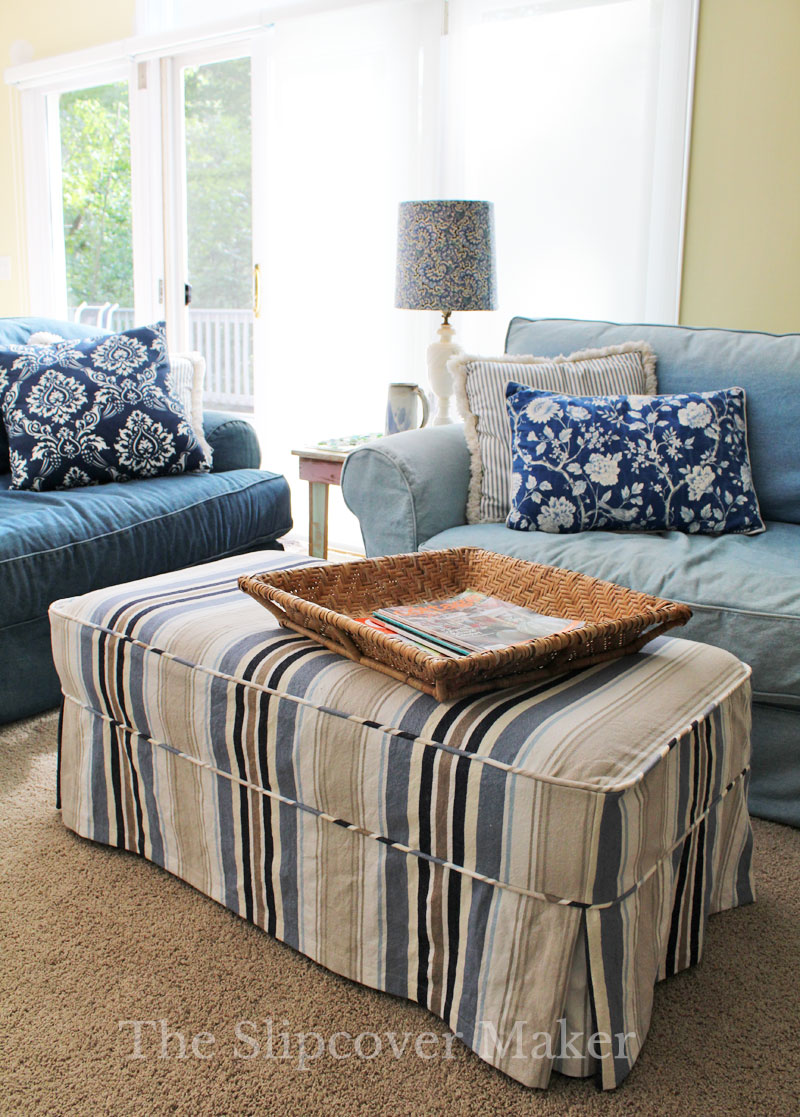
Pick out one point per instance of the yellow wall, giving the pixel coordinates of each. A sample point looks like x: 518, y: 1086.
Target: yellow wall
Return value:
x: 742, y: 252
x: 52, y: 27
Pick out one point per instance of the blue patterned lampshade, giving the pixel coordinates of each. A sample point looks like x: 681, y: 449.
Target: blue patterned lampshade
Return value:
x: 446, y: 256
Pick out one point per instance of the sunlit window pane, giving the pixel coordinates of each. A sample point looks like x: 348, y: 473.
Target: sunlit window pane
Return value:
x: 218, y: 182
x: 96, y: 187
x: 219, y: 226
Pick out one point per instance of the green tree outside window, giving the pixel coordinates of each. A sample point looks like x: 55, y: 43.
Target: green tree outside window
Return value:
x: 96, y: 177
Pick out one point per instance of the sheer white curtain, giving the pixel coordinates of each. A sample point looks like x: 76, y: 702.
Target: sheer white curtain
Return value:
x: 346, y: 142
x: 571, y: 116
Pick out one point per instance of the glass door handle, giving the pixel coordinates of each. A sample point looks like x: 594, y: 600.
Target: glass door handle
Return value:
x: 257, y: 291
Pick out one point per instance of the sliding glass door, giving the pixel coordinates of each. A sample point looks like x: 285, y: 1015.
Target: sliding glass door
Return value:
x: 220, y: 284
x: 95, y: 187
x: 152, y: 180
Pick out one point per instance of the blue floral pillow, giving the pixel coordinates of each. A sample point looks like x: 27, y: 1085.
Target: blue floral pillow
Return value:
x: 82, y: 412
x: 637, y: 463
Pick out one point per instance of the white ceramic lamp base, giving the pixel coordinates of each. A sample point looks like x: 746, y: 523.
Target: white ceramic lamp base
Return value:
x: 441, y: 382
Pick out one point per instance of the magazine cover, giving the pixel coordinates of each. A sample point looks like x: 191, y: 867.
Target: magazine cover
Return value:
x: 429, y: 645
x: 475, y: 621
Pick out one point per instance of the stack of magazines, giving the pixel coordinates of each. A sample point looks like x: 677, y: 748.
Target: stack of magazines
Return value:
x: 469, y: 622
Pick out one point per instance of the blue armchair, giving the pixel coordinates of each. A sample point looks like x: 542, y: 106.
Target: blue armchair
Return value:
x: 409, y: 492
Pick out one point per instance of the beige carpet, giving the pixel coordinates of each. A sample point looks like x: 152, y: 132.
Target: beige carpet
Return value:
x: 92, y: 936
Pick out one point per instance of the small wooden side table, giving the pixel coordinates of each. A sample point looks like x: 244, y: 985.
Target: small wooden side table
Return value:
x: 322, y: 468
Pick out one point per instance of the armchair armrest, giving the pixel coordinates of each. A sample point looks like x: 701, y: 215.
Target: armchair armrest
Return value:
x: 233, y: 441
x: 408, y: 487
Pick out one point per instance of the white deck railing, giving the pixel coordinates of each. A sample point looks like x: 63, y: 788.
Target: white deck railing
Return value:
x: 224, y: 337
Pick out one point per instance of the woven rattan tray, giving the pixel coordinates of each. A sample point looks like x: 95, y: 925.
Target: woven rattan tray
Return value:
x: 321, y: 602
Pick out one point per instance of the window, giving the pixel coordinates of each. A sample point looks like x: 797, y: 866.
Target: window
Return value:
x: 280, y: 148
x: 566, y: 114
x: 219, y: 226
x: 96, y: 190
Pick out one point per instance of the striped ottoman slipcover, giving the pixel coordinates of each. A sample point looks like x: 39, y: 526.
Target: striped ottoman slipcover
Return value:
x: 526, y: 863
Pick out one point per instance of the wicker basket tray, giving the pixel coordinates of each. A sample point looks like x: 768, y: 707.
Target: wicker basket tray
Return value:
x: 321, y: 601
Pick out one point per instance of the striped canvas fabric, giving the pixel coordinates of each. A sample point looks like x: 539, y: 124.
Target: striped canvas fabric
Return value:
x: 480, y: 392
x: 187, y: 373
x: 520, y: 862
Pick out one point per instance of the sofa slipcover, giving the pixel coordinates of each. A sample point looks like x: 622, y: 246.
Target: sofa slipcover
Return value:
x: 68, y: 542
x: 410, y: 491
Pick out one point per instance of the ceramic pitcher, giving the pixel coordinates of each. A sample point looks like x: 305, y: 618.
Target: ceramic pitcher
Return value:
x: 402, y: 412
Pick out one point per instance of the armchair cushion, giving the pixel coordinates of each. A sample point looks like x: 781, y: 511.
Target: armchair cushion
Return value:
x: 743, y: 589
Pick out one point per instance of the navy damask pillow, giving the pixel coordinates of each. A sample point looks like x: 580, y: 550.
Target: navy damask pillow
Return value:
x: 636, y: 463
x: 86, y: 411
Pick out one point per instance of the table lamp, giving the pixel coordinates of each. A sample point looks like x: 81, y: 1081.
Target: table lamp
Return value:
x: 445, y: 262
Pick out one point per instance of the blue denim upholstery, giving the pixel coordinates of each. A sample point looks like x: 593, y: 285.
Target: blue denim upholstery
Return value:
x: 233, y: 441
x: 61, y: 544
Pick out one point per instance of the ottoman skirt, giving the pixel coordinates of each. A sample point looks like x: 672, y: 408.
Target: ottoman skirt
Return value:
x: 525, y: 864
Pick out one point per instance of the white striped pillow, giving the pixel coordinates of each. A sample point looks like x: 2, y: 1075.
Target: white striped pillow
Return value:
x: 480, y: 392
x: 187, y: 373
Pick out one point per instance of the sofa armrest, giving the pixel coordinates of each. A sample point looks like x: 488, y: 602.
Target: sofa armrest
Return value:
x: 233, y: 441
x: 408, y: 487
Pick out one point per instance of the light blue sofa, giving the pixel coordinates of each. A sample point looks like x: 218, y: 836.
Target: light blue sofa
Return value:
x: 61, y: 544
x: 409, y: 492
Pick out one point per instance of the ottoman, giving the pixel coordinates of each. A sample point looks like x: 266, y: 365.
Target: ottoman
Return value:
x: 526, y: 863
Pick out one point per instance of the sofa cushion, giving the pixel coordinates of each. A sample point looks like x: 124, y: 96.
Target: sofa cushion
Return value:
x: 61, y: 544
x: 767, y: 366
x: 744, y: 590
x: 185, y: 380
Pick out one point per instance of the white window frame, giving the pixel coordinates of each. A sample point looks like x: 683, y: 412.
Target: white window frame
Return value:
x: 255, y: 47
